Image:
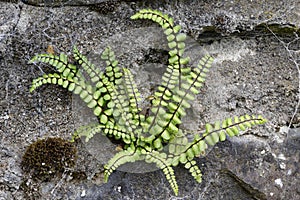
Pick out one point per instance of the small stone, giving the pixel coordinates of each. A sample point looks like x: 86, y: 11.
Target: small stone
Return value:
x: 279, y: 182
x: 119, y: 188
x: 281, y: 157
x: 282, y: 165
x: 83, y: 193
x: 284, y: 130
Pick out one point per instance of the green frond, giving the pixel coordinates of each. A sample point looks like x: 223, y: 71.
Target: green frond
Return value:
x: 163, y: 94
x: 94, y: 99
x: 172, y: 100
x: 217, y: 132
x: 160, y: 159
x: 119, y: 132
x: 125, y: 156
x: 94, y: 73
x: 87, y: 131
x: 162, y: 19
x: 125, y: 97
x: 59, y: 62
x: 231, y: 127
x: 174, y: 38
x: 101, y: 100
x: 47, y: 79
x: 177, y: 145
x: 194, y: 170
x: 57, y: 79
x: 198, y: 75
x: 132, y: 92
x: 112, y: 70
x: 105, y: 82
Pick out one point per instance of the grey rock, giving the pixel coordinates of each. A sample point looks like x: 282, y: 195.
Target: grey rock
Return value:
x: 63, y: 2
x: 252, y: 73
x: 293, y: 139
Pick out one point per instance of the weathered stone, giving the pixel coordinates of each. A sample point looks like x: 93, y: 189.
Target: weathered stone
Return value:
x: 253, y: 73
x: 63, y: 2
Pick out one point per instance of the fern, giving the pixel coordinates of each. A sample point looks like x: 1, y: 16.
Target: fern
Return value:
x: 113, y: 96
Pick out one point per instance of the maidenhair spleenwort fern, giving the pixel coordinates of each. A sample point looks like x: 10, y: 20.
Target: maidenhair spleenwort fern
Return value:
x: 114, y: 98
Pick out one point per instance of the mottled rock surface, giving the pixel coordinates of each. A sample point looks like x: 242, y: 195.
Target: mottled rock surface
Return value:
x: 255, y: 71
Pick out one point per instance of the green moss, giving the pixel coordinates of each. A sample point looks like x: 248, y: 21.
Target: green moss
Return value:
x: 46, y: 158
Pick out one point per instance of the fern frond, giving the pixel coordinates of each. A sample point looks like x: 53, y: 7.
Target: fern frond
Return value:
x: 125, y: 156
x: 101, y: 94
x: 87, y: 131
x: 119, y: 132
x: 173, y: 75
x: 78, y: 86
x: 46, y: 79
x: 106, y: 88
x: 112, y: 70
x: 132, y: 92
x: 194, y: 170
x: 182, y: 151
x: 160, y: 159
x: 72, y: 84
x: 177, y: 145
x: 126, y: 96
x: 176, y: 40
x: 231, y: 127
x: 217, y: 132
x: 172, y: 103
x: 123, y: 113
x: 160, y: 103
x: 162, y: 19
x: 59, y: 62
x: 94, y: 73
x: 105, y: 82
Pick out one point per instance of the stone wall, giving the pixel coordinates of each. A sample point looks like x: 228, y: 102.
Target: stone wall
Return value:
x: 256, y: 48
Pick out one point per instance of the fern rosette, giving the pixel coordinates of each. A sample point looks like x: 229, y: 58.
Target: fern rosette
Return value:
x: 155, y: 137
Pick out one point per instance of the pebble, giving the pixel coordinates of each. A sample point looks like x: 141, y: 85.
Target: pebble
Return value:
x: 279, y: 182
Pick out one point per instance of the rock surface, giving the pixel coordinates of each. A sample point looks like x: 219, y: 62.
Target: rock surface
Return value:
x: 255, y: 72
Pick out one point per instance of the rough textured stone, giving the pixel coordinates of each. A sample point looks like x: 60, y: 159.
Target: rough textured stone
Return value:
x: 253, y: 73
x: 63, y: 2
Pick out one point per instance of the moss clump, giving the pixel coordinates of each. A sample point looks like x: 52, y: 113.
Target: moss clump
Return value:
x: 46, y: 158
